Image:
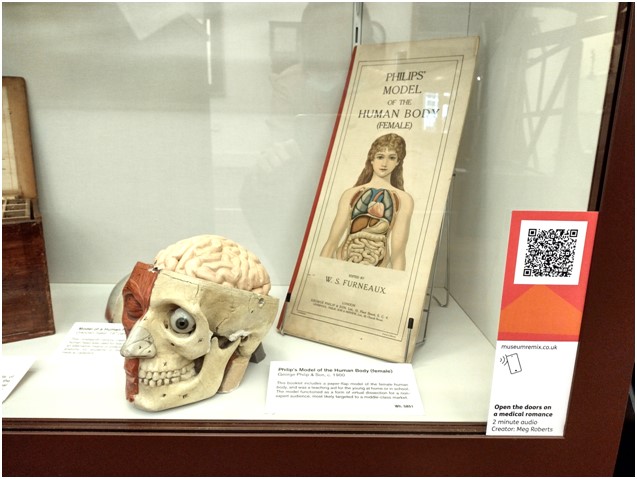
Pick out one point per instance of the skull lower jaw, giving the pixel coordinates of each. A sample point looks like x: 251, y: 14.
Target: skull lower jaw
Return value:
x: 158, y: 398
x: 200, y: 380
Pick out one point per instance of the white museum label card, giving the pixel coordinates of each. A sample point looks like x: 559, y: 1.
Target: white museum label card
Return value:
x: 344, y: 389
x: 545, y: 281
x: 86, y: 339
x: 13, y: 370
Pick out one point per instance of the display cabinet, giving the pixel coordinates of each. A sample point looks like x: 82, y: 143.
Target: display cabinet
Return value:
x: 155, y: 122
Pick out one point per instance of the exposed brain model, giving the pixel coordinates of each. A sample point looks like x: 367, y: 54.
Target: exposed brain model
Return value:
x: 216, y: 259
x: 192, y: 320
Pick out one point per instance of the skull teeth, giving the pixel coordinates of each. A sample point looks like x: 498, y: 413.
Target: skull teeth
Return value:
x: 164, y: 378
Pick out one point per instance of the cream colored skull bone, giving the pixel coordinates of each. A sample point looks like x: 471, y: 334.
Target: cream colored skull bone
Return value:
x: 192, y: 331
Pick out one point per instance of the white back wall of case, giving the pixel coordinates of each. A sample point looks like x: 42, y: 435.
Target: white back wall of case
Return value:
x: 154, y: 122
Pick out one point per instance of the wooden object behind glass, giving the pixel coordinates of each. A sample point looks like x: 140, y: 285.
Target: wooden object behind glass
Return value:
x: 26, y: 298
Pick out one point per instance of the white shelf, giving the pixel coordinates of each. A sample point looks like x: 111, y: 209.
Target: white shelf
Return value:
x: 453, y: 370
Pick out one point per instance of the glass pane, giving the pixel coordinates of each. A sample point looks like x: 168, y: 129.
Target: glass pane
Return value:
x: 531, y: 132
x: 158, y: 121
x: 153, y: 122
x: 529, y: 141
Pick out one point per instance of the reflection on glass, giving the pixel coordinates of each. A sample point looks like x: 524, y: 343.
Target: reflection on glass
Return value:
x: 532, y: 129
x: 304, y: 101
x: 154, y: 122
x: 432, y: 103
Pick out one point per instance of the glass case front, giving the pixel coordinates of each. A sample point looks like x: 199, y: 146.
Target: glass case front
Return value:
x: 155, y: 122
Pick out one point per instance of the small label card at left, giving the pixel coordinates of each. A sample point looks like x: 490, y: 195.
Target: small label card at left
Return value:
x: 344, y: 389
x: 92, y: 338
x: 14, y: 369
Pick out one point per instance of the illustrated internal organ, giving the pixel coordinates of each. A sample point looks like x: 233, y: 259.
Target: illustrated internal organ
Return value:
x: 373, y: 212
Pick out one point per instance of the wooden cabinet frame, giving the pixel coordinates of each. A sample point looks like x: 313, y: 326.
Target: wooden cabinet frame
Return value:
x: 589, y: 447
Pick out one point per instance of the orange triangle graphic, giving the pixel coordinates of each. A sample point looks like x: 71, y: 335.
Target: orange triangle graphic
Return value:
x: 540, y: 311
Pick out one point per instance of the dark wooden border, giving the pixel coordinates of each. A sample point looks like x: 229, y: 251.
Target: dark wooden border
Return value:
x: 589, y: 447
x: 610, y: 101
x: 241, y: 427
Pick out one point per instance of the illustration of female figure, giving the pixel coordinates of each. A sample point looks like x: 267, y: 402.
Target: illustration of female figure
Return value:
x: 372, y: 218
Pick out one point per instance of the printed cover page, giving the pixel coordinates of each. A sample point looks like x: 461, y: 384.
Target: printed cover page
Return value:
x: 361, y: 279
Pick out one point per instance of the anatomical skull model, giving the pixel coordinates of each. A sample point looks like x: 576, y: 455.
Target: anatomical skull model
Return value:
x: 192, y: 321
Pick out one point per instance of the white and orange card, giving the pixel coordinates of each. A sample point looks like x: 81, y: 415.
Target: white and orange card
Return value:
x: 546, y: 276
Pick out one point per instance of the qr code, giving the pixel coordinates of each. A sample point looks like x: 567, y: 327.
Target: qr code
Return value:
x: 550, y: 252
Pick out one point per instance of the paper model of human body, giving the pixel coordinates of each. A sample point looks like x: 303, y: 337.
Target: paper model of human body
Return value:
x: 192, y: 321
